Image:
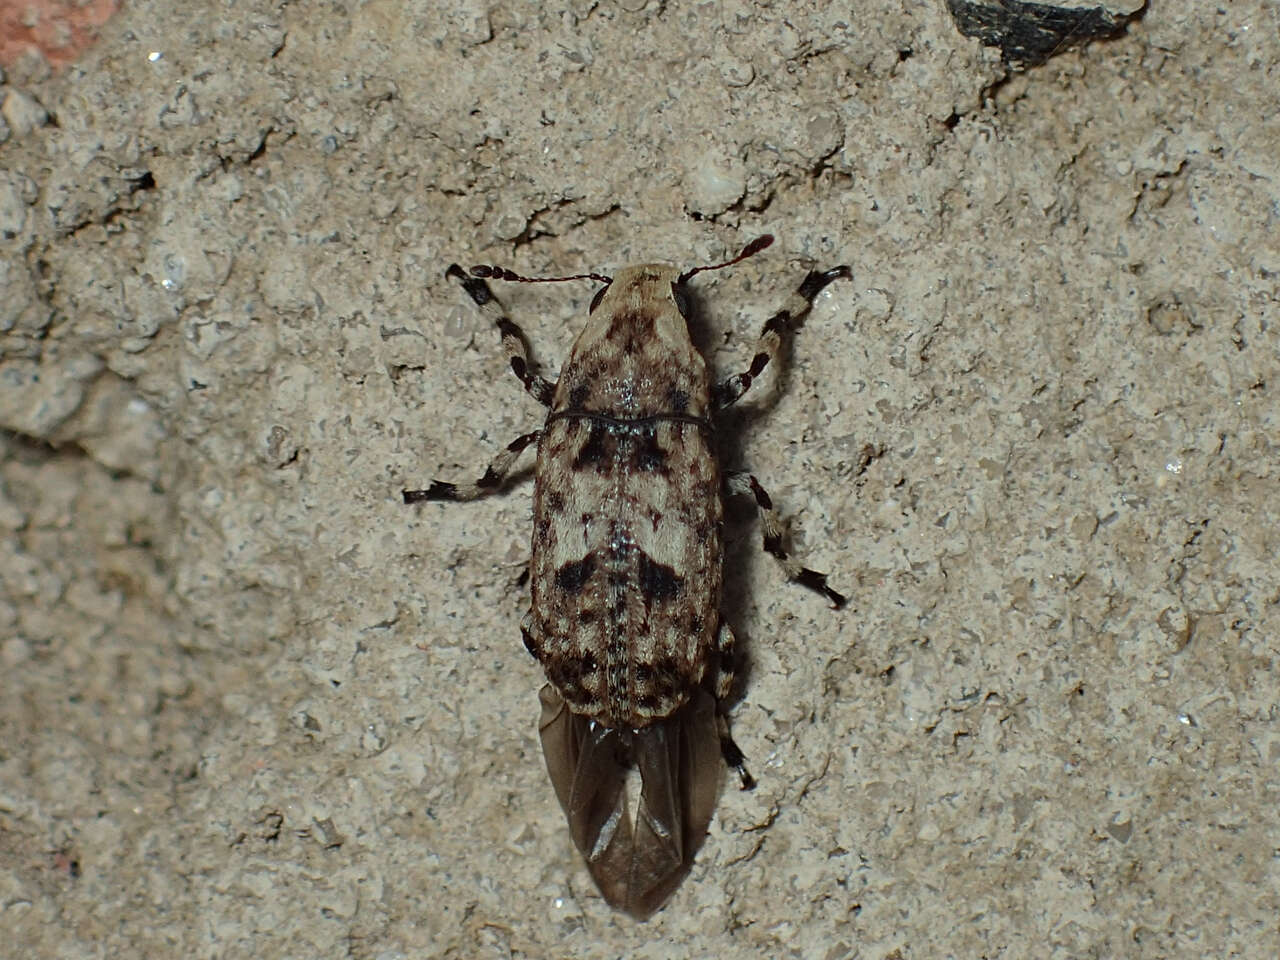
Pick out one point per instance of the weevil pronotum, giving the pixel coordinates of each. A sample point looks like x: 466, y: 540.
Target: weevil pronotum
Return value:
x: 626, y: 564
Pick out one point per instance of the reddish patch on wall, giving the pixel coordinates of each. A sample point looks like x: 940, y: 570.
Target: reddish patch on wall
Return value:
x: 60, y: 29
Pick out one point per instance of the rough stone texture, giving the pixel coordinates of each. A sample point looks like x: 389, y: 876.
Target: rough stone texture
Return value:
x: 252, y: 706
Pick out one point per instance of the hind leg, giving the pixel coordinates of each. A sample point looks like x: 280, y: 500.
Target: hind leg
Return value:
x: 726, y: 671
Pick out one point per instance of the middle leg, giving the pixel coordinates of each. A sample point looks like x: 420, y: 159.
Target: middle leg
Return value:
x: 741, y: 483
x: 494, y: 474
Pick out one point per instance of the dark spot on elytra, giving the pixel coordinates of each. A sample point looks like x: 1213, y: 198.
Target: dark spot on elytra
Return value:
x: 578, y: 697
x: 578, y: 396
x: 593, y: 369
x: 586, y: 617
x: 645, y: 455
x: 668, y: 675
x: 555, y: 501
x: 677, y: 400
x: 663, y: 690
x: 568, y: 671
x: 661, y: 679
x: 695, y: 625
x: 563, y: 672
x: 631, y: 324
x: 658, y: 582
x: 543, y: 527
x: 573, y: 576
x: 596, y: 450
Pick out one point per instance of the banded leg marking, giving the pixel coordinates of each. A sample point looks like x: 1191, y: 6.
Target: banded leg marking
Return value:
x: 728, y: 391
x: 741, y: 484
x: 494, y: 474
x: 528, y: 633
x: 726, y: 670
x: 539, y: 388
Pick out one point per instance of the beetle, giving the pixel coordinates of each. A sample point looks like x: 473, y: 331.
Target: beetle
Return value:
x: 626, y: 565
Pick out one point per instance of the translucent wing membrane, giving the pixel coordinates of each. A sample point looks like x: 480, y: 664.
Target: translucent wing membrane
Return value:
x: 636, y: 861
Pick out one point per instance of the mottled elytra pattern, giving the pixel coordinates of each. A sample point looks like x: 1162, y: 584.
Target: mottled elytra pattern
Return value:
x: 626, y: 564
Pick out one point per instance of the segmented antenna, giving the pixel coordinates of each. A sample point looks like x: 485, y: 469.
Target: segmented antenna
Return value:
x: 489, y: 272
x: 750, y: 250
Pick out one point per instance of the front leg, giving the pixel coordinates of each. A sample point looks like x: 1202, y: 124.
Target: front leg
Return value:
x: 494, y: 474
x: 785, y: 320
x: 539, y: 388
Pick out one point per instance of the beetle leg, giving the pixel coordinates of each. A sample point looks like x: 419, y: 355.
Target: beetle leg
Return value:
x: 741, y: 484
x: 539, y: 388
x: 494, y: 474
x: 529, y: 634
x: 727, y: 392
x: 726, y: 670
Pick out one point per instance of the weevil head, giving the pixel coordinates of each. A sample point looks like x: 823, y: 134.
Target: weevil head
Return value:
x: 649, y: 298
x: 656, y: 293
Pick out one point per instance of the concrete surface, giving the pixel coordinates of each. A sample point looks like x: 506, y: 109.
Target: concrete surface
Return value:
x: 252, y: 706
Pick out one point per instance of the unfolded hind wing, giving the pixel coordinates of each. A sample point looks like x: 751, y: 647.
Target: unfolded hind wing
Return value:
x: 637, y: 865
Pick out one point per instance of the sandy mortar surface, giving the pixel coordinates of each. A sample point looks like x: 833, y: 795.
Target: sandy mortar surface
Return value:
x: 253, y: 706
